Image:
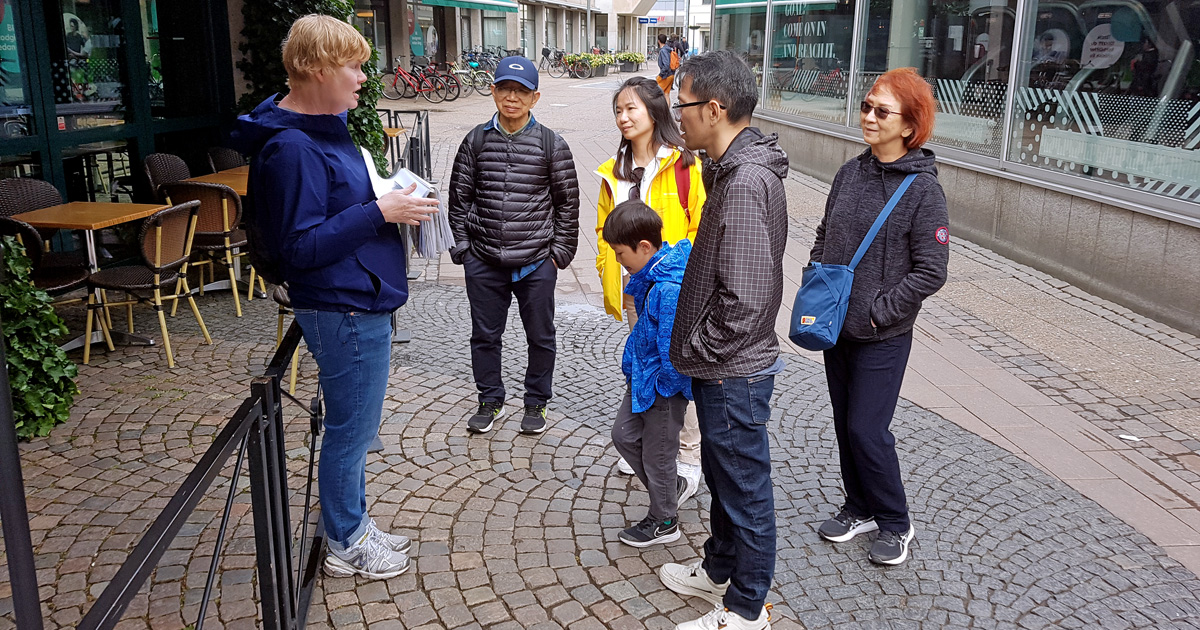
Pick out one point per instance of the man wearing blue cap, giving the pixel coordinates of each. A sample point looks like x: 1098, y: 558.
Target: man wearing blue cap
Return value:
x: 514, y: 211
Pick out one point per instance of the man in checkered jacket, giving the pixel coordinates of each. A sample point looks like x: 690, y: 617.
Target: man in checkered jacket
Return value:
x: 724, y: 337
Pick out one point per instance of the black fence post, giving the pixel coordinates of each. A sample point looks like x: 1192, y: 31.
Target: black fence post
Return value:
x: 272, y: 535
x: 14, y: 514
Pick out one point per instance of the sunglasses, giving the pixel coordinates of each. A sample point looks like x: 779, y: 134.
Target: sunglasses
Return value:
x: 880, y: 112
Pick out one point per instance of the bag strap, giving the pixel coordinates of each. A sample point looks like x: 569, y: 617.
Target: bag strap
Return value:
x: 683, y: 185
x: 879, y: 220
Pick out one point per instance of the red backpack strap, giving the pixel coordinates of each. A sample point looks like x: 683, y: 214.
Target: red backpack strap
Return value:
x: 683, y: 183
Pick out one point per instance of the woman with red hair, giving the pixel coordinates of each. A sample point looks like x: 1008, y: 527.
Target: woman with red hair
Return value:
x: 905, y: 263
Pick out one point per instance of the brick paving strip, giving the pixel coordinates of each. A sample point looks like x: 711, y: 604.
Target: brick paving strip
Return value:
x: 1029, y: 511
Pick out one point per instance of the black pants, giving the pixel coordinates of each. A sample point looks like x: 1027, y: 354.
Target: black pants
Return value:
x: 490, y: 291
x: 864, y: 385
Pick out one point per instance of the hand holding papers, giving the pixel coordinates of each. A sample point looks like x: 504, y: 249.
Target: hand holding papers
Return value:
x: 408, y: 199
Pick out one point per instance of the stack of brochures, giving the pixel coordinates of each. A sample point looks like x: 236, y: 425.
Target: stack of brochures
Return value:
x: 432, y: 237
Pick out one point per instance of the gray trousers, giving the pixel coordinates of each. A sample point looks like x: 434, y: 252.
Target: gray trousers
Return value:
x: 689, y: 437
x: 649, y: 442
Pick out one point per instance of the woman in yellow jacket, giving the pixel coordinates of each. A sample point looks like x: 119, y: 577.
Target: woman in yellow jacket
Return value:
x: 651, y: 165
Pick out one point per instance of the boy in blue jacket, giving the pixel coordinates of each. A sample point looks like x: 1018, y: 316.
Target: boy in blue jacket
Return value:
x: 646, y: 429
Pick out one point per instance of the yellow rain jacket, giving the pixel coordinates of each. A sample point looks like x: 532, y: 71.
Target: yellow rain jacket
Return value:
x: 664, y: 198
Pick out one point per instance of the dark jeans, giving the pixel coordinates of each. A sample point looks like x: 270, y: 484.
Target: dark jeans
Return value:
x: 736, y: 459
x: 864, y: 384
x: 490, y: 291
x: 649, y: 442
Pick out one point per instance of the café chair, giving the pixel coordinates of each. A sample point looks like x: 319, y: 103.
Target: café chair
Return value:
x: 25, y: 194
x: 217, y: 234
x: 164, y: 168
x: 55, y: 281
x: 166, y: 243
x: 280, y: 295
x: 224, y: 158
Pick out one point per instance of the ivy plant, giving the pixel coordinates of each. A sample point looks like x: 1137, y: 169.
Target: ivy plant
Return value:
x: 39, y: 372
x: 266, y: 26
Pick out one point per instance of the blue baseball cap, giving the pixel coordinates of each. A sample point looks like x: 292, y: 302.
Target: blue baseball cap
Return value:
x: 517, y: 69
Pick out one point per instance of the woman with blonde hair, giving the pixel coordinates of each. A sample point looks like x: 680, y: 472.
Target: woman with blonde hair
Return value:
x: 315, y: 218
x: 651, y: 164
x: 905, y: 264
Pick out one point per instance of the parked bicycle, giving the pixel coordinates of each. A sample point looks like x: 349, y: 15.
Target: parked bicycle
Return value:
x: 426, y: 67
x: 552, y: 62
x: 402, y: 84
x: 578, y: 67
x: 472, y: 76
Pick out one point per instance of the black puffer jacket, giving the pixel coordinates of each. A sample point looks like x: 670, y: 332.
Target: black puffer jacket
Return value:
x: 907, y: 262
x: 511, y: 205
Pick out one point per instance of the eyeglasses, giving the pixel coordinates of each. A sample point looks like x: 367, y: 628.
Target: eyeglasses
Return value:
x: 677, y: 109
x: 520, y: 91
x: 880, y: 112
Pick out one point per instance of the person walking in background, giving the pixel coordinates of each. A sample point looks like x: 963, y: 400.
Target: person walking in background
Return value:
x: 514, y: 212
x: 646, y: 429
x: 725, y: 339
x: 666, y: 65
x: 315, y: 217
x: 906, y: 264
x: 652, y: 165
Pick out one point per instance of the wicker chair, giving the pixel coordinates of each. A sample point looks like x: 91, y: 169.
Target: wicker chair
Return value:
x: 23, y: 194
x: 280, y: 295
x: 166, y: 242
x: 164, y: 168
x: 53, y: 280
x: 223, y: 159
x: 217, y: 234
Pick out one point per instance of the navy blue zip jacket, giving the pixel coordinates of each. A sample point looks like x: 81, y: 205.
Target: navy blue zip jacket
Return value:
x: 646, y: 361
x: 314, y: 206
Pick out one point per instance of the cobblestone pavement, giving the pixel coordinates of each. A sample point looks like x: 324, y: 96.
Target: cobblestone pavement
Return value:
x: 520, y: 532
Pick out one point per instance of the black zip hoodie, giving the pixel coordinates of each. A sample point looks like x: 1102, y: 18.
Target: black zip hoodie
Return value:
x: 907, y: 261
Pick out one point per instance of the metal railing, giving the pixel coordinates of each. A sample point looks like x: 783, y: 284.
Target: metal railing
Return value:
x: 286, y: 575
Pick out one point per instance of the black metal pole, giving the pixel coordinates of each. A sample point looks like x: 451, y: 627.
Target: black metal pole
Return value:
x: 14, y: 515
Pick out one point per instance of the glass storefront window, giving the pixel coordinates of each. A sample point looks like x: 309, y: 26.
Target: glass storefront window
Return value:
x: 551, y: 28
x: 810, y: 58
x: 178, y: 51
x: 87, y: 68
x: 526, y: 30
x: 370, y: 18
x: 16, y: 117
x: 569, y: 46
x: 464, y: 32
x: 740, y: 26
x: 97, y: 171
x: 1110, y: 91
x: 495, y: 29
x: 963, y: 51
x: 423, y: 39
x: 23, y: 165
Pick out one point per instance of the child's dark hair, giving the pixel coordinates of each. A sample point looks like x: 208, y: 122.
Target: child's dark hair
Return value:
x: 632, y: 222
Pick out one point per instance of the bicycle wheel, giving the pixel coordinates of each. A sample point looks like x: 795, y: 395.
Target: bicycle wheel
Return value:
x: 482, y: 82
x: 433, y: 89
x: 465, y: 81
x: 583, y: 69
x: 557, y: 69
x: 453, y: 87
x: 410, y: 87
x: 393, y: 87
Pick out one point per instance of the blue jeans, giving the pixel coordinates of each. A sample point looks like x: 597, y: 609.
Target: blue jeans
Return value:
x: 736, y: 459
x: 354, y: 353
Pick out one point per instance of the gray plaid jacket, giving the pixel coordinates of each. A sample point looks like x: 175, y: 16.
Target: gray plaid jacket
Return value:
x: 733, y: 286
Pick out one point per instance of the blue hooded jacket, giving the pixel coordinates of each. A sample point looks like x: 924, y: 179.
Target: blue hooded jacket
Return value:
x: 312, y: 202
x: 646, y: 361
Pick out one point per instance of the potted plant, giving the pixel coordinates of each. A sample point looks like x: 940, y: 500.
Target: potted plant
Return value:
x: 600, y: 63
x: 39, y: 372
x: 631, y: 61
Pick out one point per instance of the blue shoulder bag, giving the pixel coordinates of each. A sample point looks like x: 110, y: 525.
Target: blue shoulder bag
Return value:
x: 824, y: 295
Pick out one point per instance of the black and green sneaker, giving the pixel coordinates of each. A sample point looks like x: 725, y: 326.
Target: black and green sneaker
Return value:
x: 534, y: 420
x: 651, y: 532
x: 489, y: 412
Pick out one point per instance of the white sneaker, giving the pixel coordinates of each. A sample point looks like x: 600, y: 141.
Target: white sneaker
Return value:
x: 369, y: 557
x: 691, y: 474
x: 722, y: 618
x: 692, y: 579
x: 623, y: 466
x: 395, y: 542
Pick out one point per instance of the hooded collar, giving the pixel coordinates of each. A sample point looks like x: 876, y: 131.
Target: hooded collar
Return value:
x: 254, y: 129
x: 666, y: 265
x: 751, y: 146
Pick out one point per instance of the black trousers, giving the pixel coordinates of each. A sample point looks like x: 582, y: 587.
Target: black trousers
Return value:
x: 490, y: 291
x: 864, y: 385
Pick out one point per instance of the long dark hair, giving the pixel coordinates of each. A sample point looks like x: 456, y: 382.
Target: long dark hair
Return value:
x: 666, y: 133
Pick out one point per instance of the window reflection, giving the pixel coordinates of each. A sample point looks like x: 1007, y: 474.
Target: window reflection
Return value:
x: 810, y: 58
x: 16, y: 119
x: 86, y: 66
x: 1110, y: 90
x: 740, y: 26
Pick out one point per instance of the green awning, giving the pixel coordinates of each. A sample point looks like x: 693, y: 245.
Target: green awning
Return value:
x: 508, y: 6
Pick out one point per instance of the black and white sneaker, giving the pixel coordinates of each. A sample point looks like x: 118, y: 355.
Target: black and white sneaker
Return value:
x: 846, y: 526
x: 651, y: 532
x: 534, y: 420
x: 489, y: 412
x: 891, y: 548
